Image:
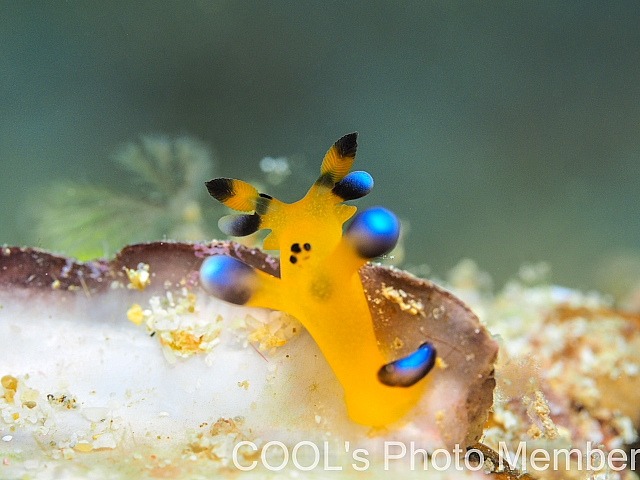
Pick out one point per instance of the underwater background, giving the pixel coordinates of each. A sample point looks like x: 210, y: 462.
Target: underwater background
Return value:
x: 504, y: 132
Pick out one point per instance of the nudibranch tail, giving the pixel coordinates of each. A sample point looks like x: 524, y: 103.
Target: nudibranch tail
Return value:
x: 319, y: 282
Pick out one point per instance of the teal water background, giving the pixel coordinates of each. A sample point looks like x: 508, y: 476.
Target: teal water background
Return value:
x: 505, y: 132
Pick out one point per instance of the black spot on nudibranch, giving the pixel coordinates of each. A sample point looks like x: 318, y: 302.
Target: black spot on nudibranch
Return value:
x: 307, y: 246
x: 293, y: 259
x: 295, y: 248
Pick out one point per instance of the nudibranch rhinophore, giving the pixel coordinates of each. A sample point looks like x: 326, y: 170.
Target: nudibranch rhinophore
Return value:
x: 319, y: 282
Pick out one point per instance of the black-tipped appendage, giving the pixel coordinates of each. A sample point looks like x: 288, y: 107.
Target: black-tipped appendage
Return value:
x: 347, y: 145
x: 240, y: 225
x: 220, y: 188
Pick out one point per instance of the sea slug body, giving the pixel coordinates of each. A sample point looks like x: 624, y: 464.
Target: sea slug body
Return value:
x: 319, y: 282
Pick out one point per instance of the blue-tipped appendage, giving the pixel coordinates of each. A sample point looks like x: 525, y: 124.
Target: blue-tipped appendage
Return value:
x: 373, y: 232
x: 228, y: 279
x: 409, y: 370
x: 355, y: 185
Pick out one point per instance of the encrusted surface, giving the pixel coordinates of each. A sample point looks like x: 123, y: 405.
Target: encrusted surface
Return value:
x: 36, y: 269
x: 137, y: 343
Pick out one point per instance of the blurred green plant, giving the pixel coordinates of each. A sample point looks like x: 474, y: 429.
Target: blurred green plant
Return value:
x: 160, y: 198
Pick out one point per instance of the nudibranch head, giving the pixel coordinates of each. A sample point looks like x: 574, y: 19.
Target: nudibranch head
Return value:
x: 319, y: 282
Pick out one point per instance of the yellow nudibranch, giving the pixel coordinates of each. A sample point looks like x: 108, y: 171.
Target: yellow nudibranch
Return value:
x: 319, y: 282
